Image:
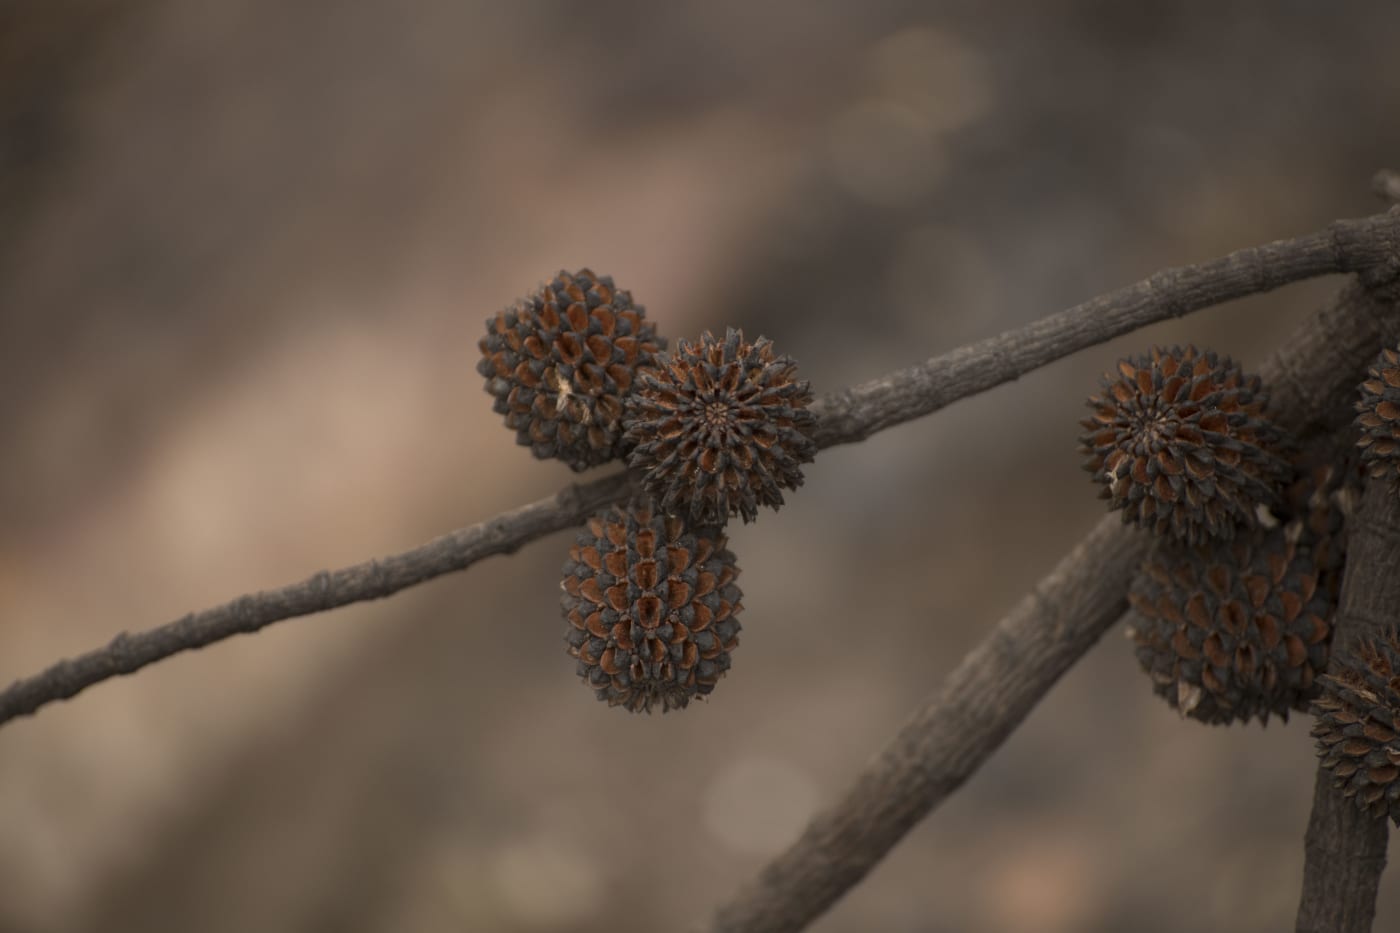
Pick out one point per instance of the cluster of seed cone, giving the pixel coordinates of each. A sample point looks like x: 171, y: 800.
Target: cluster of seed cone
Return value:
x: 1232, y: 613
x: 1358, y: 726
x: 713, y: 430
x: 716, y: 429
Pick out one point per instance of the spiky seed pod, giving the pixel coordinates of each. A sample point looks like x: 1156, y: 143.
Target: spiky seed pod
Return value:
x: 560, y: 362
x: 1358, y: 726
x: 1180, y: 443
x: 1378, y: 416
x: 1233, y: 632
x: 721, y: 427
x: 652, y: 608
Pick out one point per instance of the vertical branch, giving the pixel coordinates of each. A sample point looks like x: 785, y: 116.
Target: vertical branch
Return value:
x: 1344, y: 848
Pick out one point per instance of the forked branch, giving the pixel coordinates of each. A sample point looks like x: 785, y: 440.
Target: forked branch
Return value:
x: 991, y: 691
x: 1363, y: 246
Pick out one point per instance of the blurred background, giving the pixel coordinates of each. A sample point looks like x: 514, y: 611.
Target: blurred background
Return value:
x: 246, y: 251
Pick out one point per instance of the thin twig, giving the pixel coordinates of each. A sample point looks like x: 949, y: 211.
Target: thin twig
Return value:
x: 1344, y: 848
x: 373, y: 579
x: 1003, y: 678
x: 845, y: 417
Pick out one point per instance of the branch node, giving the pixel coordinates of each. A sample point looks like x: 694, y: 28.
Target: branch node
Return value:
x: 378, y: 578
x: 245, y: 613
x: 320, y: 586
x: 1161, y: 286
x: 121, y: 649
x: 1386, y: 184
x: 570, y: 498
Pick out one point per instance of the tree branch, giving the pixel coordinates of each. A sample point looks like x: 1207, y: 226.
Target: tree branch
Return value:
x: 372, y: 579
x: 845, y: 417
x: 1344, y: 246
x: 1003, y: 678
x: 1344, y: 849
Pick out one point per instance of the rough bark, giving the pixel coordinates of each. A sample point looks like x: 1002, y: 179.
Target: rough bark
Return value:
x: 1344, y: 849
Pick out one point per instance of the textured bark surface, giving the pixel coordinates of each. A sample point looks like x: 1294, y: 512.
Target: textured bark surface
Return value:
x: 1370, y: 244
x: 1345, y: 846
x: 1345, y: 855
x: 993, y: 689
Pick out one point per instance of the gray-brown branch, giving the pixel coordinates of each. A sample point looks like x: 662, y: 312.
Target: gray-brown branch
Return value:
x: 845, y: 417
x: 993, y: 689
x: 1344, y: 849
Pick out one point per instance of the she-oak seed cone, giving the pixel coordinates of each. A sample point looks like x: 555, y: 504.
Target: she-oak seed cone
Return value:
x: 1358, y: 726
x: 652, y: 608
x: 1179, y: 441
x: 561, y: 361
x: 720, y: 427
x: 1378, y: 416
x: 1235, y: 632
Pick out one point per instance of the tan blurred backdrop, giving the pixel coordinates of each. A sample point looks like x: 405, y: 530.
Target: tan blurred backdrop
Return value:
x: 246, y: 249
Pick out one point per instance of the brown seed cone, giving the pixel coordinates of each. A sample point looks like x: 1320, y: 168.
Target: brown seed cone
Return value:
x: 652, y: 608
x: 560, y: 362
x: 1358, y: 726
x: 1234, y: 632
x: 1378, y: 416
x: 720, y: 428
x: 1179, y: 441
